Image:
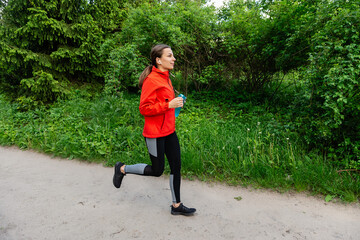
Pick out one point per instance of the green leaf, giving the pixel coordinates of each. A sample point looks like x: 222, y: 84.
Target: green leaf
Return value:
x: 239, y: 198
x: 329, y: 198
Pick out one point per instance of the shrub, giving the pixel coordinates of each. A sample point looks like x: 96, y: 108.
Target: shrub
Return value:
x: 125, y: 66
x: 40, y: 90
x: 333, y: 78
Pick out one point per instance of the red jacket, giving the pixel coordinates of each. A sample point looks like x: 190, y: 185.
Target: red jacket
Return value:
x: 157, y: 92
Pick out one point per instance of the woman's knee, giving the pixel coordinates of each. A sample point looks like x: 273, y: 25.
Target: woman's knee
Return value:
x: 158, y: 173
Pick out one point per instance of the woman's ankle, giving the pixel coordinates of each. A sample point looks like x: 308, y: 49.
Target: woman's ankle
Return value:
x: 176, y: 205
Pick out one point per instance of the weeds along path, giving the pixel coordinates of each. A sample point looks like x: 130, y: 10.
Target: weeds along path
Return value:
x: 51, y: 198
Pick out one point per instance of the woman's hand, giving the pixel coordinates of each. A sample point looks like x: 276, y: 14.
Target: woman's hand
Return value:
x: 176, y: 102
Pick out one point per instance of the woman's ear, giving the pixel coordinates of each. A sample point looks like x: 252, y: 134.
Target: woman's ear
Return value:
x: 158, y: 61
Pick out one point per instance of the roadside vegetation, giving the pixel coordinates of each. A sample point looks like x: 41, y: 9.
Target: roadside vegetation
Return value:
x: 238, y: 143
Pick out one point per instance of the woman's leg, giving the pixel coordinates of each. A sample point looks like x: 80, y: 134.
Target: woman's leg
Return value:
x: 172, y: 152
x: 157, y: 147
x: 156, y: 150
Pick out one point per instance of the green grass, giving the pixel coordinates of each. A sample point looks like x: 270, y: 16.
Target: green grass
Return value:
x: 237, y: 142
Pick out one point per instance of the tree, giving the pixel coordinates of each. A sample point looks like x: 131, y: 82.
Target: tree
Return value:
x: 45, y: 45
x: 262, y: 38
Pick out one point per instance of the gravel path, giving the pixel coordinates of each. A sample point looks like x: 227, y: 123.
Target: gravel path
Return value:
x: 51, y: 198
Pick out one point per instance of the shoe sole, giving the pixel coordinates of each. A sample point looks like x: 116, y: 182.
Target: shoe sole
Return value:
x: 180, y: 213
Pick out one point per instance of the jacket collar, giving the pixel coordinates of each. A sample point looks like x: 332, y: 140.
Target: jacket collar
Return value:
x: 161, y: 73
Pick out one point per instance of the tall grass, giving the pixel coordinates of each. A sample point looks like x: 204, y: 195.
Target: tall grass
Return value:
x: 258, y: 150
x: 103, y: 129
x: 241, y: 144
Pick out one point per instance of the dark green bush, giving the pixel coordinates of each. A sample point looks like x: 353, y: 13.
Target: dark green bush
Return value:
x: 333, y: 78
x: 125, y: 66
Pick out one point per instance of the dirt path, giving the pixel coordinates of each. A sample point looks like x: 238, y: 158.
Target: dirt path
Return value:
x: 50, y: 198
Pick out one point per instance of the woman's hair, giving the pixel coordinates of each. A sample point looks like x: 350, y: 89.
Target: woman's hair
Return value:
x: 156, y: 52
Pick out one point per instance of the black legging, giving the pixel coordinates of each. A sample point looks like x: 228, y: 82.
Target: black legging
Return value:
x: 158, y: 148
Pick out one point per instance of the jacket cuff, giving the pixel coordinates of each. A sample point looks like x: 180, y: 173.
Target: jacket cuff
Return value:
x: 166, y: 106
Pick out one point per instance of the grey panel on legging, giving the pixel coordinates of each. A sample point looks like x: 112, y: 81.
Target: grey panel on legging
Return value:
x: 135, y: 169
x: 172, y: 188
x: 151, y: 145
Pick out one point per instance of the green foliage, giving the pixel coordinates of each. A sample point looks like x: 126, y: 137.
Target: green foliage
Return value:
x: 106, y: 128
x: 230, y: 144
x: 260, y: 40
x: 244, y: 33
x: 187, y: 26
x: 125, y: 64
x: 212, y: 77
x: 334, y: 77
x: 59, y: 39
x: 39, y: 90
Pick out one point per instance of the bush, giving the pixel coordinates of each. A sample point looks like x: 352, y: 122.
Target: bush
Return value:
x: 262, y: 39
x: 333, y: 79
x: 40, y: 90
x: 125, y: 66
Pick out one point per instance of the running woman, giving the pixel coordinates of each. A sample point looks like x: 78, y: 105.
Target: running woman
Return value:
x: 157, y: 105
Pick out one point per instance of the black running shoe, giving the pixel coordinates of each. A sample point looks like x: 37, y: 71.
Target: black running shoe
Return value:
x: 118, y: 175
x: 182, y: 210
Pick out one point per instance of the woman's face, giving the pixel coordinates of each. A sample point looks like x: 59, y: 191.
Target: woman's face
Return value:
x: 166, y: 61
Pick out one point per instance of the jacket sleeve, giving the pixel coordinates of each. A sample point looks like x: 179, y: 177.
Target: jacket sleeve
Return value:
x: 149, y: 102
